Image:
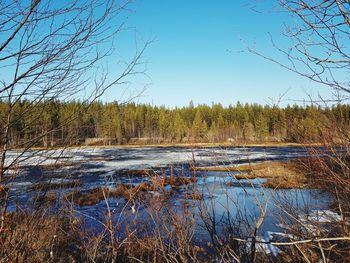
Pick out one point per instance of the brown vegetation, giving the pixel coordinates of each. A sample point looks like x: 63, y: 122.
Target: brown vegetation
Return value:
x: 282, y: 176
x: 96, y: 195
x: 3, y: 192
x: 179, y: 181
x: 241, y: 168
x: 51, y: 186
x: 57, y: 165
x: 143, y: 172
x: 332, y: 173
x: 47, y: 198
x: 38, y: 237
x: 101, y: 158
x: 279, y: 175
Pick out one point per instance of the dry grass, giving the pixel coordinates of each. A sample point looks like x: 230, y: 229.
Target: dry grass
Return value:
x: 241, y: 168
x: 144, y: 172
x: 179, y: 181
x: 37, y: 238
x: 96, y: 195
x: 51, y: 186
x: 48, y: 198
x: 196, y: 196
x: 285, y: 176
x: 245, y: 176
x: 101, y: 158
x: 57, y: 165
x: 3, y: 192
x: 279, y: 175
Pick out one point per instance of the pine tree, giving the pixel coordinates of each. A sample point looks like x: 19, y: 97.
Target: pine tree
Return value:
x: 199, y: 127
x: 179, y: 128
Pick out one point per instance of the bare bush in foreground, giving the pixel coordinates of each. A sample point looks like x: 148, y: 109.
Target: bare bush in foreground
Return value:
x: 52, y: 50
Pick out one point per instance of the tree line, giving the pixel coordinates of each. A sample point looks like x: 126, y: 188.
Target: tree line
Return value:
x: 116, y: 123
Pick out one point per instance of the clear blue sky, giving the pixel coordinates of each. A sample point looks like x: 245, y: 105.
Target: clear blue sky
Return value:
x: 200, y: 53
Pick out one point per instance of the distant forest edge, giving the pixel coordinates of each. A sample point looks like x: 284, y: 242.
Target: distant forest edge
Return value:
x: 61, y: 123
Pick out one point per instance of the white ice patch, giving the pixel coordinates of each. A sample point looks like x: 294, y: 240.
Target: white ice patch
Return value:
x: 58, y: 181
x: 16, y: 185
x: 323, y: 216
x: 311, y: 222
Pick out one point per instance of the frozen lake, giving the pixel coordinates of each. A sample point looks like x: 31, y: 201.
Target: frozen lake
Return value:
x: 139, y: 158
x: 105, y: 167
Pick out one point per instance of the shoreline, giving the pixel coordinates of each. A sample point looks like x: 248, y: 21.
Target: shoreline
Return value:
x: 185, y: 145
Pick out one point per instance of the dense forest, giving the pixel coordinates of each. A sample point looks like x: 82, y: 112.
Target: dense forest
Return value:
x: 113, y: 123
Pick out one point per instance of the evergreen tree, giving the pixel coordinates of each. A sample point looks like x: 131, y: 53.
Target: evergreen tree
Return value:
x: 199, y: 127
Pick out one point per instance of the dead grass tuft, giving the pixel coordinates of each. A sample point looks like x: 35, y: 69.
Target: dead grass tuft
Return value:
x: 47, y: 198
x: 179, y: 181
x: 96, y: 195
x: 3, y: 192
x: 279, y: 175
x: 52, y: 186
x: 284, y: 176
x: 137, y: 173
x: 241, y: 168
